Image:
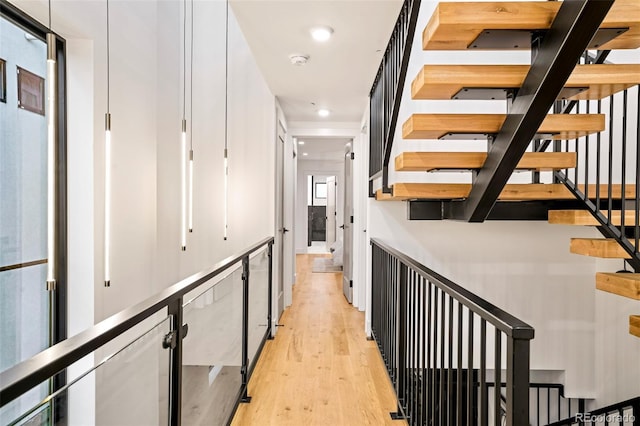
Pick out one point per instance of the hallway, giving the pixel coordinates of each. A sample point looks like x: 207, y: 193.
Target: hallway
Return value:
x: 320, y: 369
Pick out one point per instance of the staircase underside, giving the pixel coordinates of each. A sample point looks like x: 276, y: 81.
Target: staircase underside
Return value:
x: 456, y: 26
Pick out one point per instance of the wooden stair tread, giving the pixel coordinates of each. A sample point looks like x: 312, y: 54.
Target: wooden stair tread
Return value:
x: 622, y: 284
x: 384, y: 196
x: 455, y: 25
x: 584, y: 217
x: 435, y: 126
x: 440, y: 82
x: 428, y: 161
x: 634, y: 325
x: 512, y: 192
x: 607, y: 248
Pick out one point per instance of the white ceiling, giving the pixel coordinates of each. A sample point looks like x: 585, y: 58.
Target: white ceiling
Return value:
x: 322, y: 148
x: 339, y: 73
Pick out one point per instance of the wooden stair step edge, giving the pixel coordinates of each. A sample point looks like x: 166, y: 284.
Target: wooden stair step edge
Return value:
x: 622, y: 284
x: 511, y: 192
x: 455, y: 25
x: 442, y: 82
x: 606, y: 248
x: 585, y: 218
x: 634, y: 325
x: 428, y: 161
x: 561, y: 126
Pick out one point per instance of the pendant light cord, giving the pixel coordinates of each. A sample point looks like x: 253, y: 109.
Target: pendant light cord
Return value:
x: 108, y: 61
x: 49, y: 15
x: 191, y: 83
x: 184, y: 62
x: 226, y: 80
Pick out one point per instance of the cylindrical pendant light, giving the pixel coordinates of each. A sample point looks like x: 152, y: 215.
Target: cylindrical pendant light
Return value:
x: 191, y: 134
x: 107, y: 172
x: 51, y: 155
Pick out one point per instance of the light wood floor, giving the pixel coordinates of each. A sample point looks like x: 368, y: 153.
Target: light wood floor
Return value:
x: 320, y: 369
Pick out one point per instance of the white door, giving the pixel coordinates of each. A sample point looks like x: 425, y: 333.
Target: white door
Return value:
x: 347, y: 255
x: 281, y: 230
x: 331, y: 211
x: 288, y: 207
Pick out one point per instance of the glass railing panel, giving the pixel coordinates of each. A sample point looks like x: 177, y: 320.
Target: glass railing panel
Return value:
x: 212, y: 350
x: 127, y: 387
x: 258, y: 301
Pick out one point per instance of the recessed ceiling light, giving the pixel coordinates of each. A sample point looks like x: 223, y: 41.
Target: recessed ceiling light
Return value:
x: 305, y: 154
x: 300, y: 142
x: 323, y: 112
x: 321, y: 33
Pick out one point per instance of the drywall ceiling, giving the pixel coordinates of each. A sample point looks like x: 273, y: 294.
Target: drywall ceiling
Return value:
x: 339, y: 73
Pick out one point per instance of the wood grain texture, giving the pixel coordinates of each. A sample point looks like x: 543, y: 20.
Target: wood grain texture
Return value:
x: 561, y: 126
x: 606, y: 248
x: 428, y: 161
x: 453, y: 26
x: 584, y: 217
x: 512, y: 192
x: 320, y: 369
x: 634, y: 325
x: 626, y: 285
x: 442, y: 82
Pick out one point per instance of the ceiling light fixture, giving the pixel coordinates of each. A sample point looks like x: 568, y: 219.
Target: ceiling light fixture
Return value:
x: 321, y: 33
x: 300, y: 142
x: 298, y: 59
x: 183, y: 137
x: 323, y: 112
x: 304, y: 154
x: 107, y: 170
x: 191, y: 133
x: 225, y: 160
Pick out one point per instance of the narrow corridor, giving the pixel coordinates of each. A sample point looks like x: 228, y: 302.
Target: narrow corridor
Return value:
x: 320, y: 369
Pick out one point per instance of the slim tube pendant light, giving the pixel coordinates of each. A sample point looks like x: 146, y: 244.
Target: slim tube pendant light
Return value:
x: 226, y: 125
x: 51, y: 155
x: 107, y: 172
x: 183, y: 137
x: 191, y: 134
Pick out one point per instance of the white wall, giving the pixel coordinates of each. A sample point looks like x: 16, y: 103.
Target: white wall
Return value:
x: 146, y: 109
x: 522, y: 267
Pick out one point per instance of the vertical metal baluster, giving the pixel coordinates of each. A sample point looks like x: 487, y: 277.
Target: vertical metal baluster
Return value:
x: 174, y: 310
x: 587, y: 148
x: 610, y: 183
x: 401, y: 386
x: 430, y: 378
x: 245, y: 330
x: 410, y: 366
x: 548, y: 404
x: 624, y: 162
x: 459, y: 416
x: 637, y: 171
x: 498, y: 377
x: 598, y: 159
x: 576, y: 170
x: 484, y: 400
x: 470, y: 406
x: 434, y: 390
x: 443, y: 382
x: 270, y: 291
x: 417, y: 370
x: 449, y: 396
x: 425, y: 352
x: 538, y: 406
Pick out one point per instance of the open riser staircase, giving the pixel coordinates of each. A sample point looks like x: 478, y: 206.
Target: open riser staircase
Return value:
x: 577, y: 166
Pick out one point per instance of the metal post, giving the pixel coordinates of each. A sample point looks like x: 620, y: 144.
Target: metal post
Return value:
x: 517, y: 381
x: 401, y: 327
x: 245, y: 330
x: 270, y: 295
x: 174, y: 344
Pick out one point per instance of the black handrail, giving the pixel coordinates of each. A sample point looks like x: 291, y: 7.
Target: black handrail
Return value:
x: 630, y: 407
x: 418, y: 321
x: 387, y: 88
x: 22, y: 377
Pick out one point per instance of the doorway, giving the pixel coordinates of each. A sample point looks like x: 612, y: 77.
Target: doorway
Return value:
x: 321, y: 213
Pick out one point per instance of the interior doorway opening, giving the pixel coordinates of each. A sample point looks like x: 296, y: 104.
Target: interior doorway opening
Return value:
x: 321, y: 213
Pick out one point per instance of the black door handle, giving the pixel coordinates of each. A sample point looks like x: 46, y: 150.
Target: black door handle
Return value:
x: 341, y: 226
x: 285, y: 230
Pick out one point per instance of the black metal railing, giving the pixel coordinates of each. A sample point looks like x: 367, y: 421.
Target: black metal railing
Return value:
x: 622, y: 413
x: 386, y: 92
x: 438, y: 361
x: 174, y: 309
x: 548, y: 403
x: 607, y: 176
